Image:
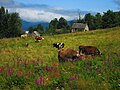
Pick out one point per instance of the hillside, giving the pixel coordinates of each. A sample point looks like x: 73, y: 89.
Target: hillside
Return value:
x: 107, y: 41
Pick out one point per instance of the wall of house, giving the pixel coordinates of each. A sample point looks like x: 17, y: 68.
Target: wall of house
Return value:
x: 86, y: 28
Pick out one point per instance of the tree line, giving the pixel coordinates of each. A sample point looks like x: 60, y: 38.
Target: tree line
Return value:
x: 11, y: 23
x: 108, y: 19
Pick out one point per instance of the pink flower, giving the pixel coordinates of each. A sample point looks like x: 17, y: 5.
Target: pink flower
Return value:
x: 37, y: 82
x: 79, y: 76
x: 72, y: 78
x: 41, y: 80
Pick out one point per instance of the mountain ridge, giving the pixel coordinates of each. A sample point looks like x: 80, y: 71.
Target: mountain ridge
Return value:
x: 26, y: 24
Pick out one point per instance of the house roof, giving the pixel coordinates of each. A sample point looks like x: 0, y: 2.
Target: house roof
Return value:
x: 35, y: 33
x: 78, y: 25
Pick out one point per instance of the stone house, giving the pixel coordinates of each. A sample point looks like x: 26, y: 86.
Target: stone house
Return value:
x: 76, y: 27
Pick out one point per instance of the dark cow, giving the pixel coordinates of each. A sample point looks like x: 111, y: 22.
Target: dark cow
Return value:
x: 89, y: 50
x: 38, y: 38
x: 58, y: 45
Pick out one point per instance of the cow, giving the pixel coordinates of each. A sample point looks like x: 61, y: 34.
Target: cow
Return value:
x: 89, y: 50
x: 24, y: 36
x: 58, y: 45
x: 68, y: 55
x: 38, y: 38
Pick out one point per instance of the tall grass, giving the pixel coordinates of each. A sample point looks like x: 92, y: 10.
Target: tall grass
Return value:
x: 37, y: 66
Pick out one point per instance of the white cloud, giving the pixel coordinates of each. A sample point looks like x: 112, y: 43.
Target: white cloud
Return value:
x: 34, y: 15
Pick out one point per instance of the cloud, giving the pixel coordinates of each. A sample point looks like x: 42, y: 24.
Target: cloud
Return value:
x: 37, y: 13
x: 30, y: 14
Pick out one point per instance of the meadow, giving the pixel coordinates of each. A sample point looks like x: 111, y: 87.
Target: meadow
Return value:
x: 36, y: 67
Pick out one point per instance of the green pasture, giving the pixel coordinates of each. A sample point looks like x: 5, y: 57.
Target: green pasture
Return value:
x: 89, y: 74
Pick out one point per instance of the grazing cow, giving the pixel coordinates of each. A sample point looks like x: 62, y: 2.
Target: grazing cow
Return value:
x: 89, y: 50
x: 24, y: 36
x: 58, y: 45
x: 68, y: 55
x: 38, y: 38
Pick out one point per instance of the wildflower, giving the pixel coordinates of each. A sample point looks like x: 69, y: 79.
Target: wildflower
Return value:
x: 72, y: 78
x: 10, y: 72
x: 41, y: 80
x: 46, y: 68
x: 37, y: 82
x: 79, y: 76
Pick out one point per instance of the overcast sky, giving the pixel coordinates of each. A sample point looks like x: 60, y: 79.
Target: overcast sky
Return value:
x: 46, y: 10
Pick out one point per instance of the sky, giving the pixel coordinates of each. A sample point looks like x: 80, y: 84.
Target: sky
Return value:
x: 47, y: 10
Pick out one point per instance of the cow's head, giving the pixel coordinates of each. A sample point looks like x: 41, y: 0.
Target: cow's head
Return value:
x: 58, y: 45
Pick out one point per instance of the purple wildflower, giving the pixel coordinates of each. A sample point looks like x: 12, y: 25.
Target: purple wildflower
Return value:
x: 72, y: 78
x: 37, y: 82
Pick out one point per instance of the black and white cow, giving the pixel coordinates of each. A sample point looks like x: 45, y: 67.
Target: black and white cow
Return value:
x: 58, y: 45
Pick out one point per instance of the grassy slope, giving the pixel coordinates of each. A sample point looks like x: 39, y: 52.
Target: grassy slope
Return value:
x: 101, y: 73
x: 108, y: 41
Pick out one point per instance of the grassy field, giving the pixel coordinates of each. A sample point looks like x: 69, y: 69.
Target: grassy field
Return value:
x: 37, y: 67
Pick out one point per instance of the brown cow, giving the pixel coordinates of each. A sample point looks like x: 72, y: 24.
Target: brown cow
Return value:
x: 68, y: 55
x: 38, y: 38
x: 89, y: 50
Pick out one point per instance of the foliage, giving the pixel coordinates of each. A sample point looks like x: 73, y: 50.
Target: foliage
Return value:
x: 62, y: 23
x: 107, y: 20
x: 31, y: 29
x: 40, y: 29
x: 10, y: 24
x: 111, y: 19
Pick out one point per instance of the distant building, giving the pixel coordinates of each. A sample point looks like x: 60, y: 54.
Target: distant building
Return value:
x: 76, y: 27
x: 26, y: 32
x: 35, y: 33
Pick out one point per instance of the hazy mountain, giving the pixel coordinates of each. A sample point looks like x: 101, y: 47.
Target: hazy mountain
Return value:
x: 26, y: 24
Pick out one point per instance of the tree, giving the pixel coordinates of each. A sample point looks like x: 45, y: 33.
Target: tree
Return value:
x: 10, y: 24
x: 89, y: 19
x: 109, y: 19
x: 40, y: 29
x: 98, y: 21
x: 30, y: 29
x: 14, y: 24
x: 62, y: 23
x: 53, y: 24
